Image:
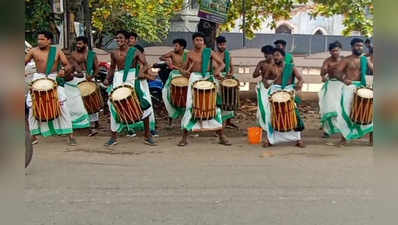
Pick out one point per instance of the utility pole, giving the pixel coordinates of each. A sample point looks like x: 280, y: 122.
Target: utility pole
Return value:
x: 244, y: 24
x: 87, y: 22
x: 66, y: 25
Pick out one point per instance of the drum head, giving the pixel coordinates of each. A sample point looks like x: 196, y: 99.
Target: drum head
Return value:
x: 281, y: 96
x: 87, y: 88
x: 121, y: 93
x: 230, y: 83
x: 204, y: 85
x: 44, y: 84
x: 365, y: 92
x: 180, y: 82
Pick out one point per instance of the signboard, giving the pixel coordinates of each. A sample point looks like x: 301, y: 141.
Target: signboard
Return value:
x: 58, y: 6
x: 214, y: 10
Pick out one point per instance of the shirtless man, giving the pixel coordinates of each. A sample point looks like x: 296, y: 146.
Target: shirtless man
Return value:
x: 193, y: 69
x: 132, y: 39
x: 275, y: 72
x: 349, y: 71
x: 40, y: 55
x: 118, y: 60
x: 264, y: 67
x: 227, y: 73
x: 330, y: 94
x: 281, y: 44
x: 80, y: 63
x: 175, y: 60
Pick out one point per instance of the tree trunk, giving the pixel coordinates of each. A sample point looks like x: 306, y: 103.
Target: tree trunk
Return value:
x: 87, y: 22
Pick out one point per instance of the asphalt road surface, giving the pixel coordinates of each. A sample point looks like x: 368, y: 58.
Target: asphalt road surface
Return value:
x: 204, y: 183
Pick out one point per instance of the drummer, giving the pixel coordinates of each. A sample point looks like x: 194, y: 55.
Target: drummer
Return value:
x: 85, y: 65
x: 198, y: 68
x: 281, y: 44
x: 330, y: 94
x: 175, y: 60
x: 278, y: 75
x: 119, y: 61
x: 224, y: 54
x: 47, y: 59
x: 352, y: 71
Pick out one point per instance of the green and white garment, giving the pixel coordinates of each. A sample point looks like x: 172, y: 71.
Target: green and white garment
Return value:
x: 188, y: 122
x: 347, y: 127
x: 75, y: 105
x: 264, y: 110
x: 90, y: 72
x: 129, y: 77
x: 173, y: 112
x: 60, y: 125
x: 329, y: 105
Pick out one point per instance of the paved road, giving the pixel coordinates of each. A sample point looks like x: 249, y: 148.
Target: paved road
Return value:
x: 203, y: 184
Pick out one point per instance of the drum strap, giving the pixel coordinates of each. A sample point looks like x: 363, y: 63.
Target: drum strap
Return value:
x: 51, y: 59
x: 90, y: 63
x: 227, y: 60
x: 364, y: 70
x: 289, y: 58
x: 287, y: 74
x: 129, y: 61
x: 206, y: 55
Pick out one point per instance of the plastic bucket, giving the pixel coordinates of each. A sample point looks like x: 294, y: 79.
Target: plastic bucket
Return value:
x: 254, y: 135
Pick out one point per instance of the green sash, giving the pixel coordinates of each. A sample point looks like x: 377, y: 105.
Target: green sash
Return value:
x: 206, y: 54
x: 227, y: 60
x: 364, y: 70
x: 287, y: 74
x: 140, y: 93
x: 129, y: 60
x: 185, y: 56
x: 289, y: 58
x: 90, y: 63
x: 51, y: 59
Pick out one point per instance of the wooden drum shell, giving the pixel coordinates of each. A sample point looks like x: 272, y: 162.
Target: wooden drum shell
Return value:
x: 178, y: 94
x: 128, y: 109
x: 45, y: 103
x: 362, y: 109
x: 230, y: 96
x: 283, y: 114
x: 204, y: 101
x: 93, y: 102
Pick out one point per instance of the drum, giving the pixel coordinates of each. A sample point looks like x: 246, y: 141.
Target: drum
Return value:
x: 91, y: 96
x: 179, y: 89
x: 204, y: 100
x: 230, y: 94
x: 283, y: 114
x: 127, y: 105
x: 45, y: 102
x: 362, y: 106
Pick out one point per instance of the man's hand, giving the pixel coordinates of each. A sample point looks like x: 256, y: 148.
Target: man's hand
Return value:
x: 348, y: 82
x: 61, y: 73
x: 324, y: 79
x: 218, y: 76
x: 229, y: 76
x: 106, y: 82
x: 299, y: 87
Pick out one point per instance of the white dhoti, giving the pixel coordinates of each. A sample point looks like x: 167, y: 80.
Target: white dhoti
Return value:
x: 75, y: 105
x: 188, y: 122
x: 264, y: 115
x: 142, y: 89
x: 60, y: 125
x: 347, y: 127
x: 94, y: 117
x: 172, y: 111
x: 329, y: 105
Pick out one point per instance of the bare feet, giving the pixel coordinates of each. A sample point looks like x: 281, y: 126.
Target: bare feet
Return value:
x: 224, y: 141
x: 342, y: 142
x: 182, y: 143
x: 300, y: 144
x: 72, y: 141
x: 266, y: 144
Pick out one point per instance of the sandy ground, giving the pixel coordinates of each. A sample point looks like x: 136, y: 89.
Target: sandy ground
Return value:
x: 203, y: 183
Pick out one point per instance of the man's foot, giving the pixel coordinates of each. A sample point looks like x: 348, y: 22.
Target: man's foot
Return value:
x: 182, y: 143
x: 300, y: 144
x: 72, y: 141
x: 149, y: 141
x: 154, y: 133
x: 325, y: 135
x: 111, y: 142
x: 34, y: 140
x: 93, y: 132
x: 224, y: 141
x: 341, y: 143
x: 131, y: 134
x: 266, y: 144
x: 96, y: 124
x: 230, y: 125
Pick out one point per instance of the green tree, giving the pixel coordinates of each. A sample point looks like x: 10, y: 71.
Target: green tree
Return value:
x: 358, y: 14
x: 150, y: 19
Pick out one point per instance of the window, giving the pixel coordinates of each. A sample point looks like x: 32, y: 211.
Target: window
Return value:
x: 319, y: 32
x: 283, y: 29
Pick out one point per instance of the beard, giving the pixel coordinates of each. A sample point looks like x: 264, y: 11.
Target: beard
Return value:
x: 278, y: 63
x: 221, y: 49
x: 80, y: 49
x: 357, y: 52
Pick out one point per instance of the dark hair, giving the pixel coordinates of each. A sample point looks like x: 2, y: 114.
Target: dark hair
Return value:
x: 334, y: 45
x: 368, y: 41
x: 198, y: 34
x: 133, y: 34
x: 124, y: 33
x: 181, y: 42
x: 356, y: 40
x: 280, y: 51
x: 140, y: 48
x: 268, y: 49
x: 83, y: 39
x: 46, y: 34
x: 221, y: 39
x: 282, y: 42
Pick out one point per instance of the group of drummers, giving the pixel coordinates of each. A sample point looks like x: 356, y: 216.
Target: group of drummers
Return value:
x: 201, y: 90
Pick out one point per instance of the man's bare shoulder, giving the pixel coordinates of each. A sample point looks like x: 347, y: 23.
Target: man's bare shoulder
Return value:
x: 34, y: 50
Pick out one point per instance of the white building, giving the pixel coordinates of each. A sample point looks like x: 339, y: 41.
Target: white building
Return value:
x: 300, y: 23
